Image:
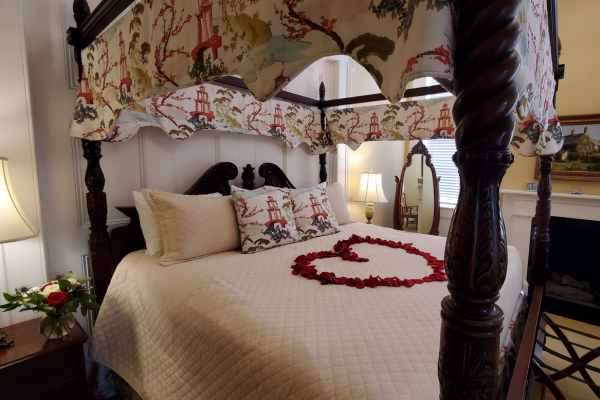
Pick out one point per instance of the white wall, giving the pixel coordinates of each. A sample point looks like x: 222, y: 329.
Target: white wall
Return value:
x: 21, y: 263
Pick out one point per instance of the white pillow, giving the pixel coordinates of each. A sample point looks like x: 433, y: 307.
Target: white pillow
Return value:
x: 335, y: 193
x: 238, y: 189
x: 150, y: 230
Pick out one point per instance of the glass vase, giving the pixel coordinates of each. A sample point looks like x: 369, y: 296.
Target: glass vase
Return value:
x: 56, y: 327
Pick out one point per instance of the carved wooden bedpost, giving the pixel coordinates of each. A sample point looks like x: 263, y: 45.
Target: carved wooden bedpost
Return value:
x: 476, y: 252
x: 97, y: 212
x: 539, y: 251
x: 81, y: 11
x: 322, y: 157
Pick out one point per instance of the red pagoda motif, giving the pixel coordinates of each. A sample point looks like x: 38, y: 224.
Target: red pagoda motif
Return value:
x: 374, y: 132
x: 274, y: 213
x: 444, y: 128
x: 317, y: 208
x: 206, y: 37
x: 278, y: 119
x: 84, y: 89
x: 204, y: 109
x: 126, y: 81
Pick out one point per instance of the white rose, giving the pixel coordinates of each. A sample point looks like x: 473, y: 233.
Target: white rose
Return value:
x: 50, y: 289
x: 73, y: 281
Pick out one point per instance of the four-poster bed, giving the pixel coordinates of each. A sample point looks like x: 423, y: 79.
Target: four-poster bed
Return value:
x: 480, y: 64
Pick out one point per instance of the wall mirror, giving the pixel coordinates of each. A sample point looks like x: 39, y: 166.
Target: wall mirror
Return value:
x: 417, y: 203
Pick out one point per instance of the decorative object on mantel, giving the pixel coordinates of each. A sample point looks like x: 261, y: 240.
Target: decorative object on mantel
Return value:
x: 576, y: 192
x: 579, y: 158
x: 532, y: 186
x: 370, y: 191
x: 15, y: 226
x: 58, y: 299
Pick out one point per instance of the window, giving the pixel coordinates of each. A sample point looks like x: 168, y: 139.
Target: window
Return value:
x: 441, y: 156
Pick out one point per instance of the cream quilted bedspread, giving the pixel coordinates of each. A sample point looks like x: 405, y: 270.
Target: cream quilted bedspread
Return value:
x: 241, y: 326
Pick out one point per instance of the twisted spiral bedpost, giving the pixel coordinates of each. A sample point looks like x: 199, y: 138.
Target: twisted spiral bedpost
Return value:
x: 476, y: 256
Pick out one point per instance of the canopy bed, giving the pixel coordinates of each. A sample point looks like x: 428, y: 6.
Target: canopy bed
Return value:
x: 500, y: 59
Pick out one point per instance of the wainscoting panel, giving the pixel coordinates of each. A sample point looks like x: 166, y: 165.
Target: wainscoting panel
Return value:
x: 153, y: 160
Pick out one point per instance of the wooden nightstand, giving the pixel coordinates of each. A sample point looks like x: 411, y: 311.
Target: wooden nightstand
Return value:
x: 36, y: 367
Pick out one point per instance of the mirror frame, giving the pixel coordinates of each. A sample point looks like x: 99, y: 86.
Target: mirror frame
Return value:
x: 418, y: 148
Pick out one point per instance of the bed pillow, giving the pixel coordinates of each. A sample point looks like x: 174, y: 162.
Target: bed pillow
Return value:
x: 312, y: 213
x: 265, y: 219
x: 193, y: 226
x: 320, y: 185
x: 150, y: 230
x: 337, y: 201
x: 237, y: 189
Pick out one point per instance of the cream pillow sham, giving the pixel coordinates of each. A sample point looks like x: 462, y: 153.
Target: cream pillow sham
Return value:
x: 193, y: 226
x: 335, y: 193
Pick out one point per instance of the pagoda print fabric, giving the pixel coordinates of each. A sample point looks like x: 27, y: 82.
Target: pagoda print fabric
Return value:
x: 312, y: 213
x: 145, y: 69
x: 265, y: 219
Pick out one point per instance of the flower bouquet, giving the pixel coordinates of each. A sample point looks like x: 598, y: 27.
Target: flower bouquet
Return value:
x: 58, y: 299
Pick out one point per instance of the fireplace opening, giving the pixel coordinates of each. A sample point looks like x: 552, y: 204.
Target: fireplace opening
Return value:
x: 573, y: 287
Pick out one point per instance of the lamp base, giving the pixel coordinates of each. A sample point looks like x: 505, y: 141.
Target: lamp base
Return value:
x: 369, y: 212
x: 4, y: 341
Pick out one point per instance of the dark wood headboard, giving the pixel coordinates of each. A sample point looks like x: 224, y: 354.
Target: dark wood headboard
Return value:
x: 129, y: 238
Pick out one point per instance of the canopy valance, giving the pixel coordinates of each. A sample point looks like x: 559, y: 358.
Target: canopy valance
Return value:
x: 145, y: 69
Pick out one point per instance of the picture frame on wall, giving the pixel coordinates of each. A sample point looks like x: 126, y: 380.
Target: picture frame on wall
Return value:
x: 579, y: 158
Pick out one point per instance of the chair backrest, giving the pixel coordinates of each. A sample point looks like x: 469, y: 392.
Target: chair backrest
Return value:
x: 403, y: 202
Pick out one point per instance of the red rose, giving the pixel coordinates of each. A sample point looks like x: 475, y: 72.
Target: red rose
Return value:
x: 58, y: 298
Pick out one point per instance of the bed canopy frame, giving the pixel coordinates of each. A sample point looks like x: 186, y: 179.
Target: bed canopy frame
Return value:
x: 486, y: 65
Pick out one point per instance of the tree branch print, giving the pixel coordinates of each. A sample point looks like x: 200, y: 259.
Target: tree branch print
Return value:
x: 418, y: 117
x: 298, y: 25
x: 157, y: 103
x: 355, y: 124
x: 440, y: 53
x: 106, y: 65
x: 171, y: 27
x: 253, y: 116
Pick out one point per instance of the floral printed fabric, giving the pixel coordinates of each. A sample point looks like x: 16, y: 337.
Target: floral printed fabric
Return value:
x: 428, y: 119
x: 312, y: 213
x: 265, y: 219
x: 145, y: 69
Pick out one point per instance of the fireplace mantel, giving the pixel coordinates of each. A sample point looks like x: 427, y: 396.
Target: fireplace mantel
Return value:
x: 518, y: 208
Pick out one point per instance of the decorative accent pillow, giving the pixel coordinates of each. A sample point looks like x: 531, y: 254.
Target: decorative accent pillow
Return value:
x: 237, y: 189
x: 265, y: 219
x: 335, y: 193
x: 150, y: 230
x: 193, y: 226
x: 312, y: 213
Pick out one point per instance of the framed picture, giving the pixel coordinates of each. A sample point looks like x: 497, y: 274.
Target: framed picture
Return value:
x: 579, y: 158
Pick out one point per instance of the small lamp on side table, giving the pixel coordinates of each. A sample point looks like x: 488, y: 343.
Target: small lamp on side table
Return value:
x: 14, y: 225
x: 370, y: 191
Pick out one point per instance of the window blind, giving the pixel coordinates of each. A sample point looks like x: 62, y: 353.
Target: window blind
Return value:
x: 441, y: 156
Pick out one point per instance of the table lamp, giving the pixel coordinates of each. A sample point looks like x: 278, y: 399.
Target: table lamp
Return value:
x: 14, y: 225
x: 370, y: 191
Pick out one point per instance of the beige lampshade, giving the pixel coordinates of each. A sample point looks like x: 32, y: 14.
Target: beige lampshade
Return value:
x: 370, y: 189
x: 14, y: 224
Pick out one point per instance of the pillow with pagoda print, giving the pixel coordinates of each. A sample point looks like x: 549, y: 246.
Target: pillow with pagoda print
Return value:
x: 312, y: 213
x: 265, y: 219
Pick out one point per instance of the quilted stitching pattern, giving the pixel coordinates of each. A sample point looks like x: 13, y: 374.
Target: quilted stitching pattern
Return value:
x: 241, y: 326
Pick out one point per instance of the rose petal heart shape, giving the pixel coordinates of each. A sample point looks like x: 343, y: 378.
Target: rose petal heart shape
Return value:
x: 343, y: 249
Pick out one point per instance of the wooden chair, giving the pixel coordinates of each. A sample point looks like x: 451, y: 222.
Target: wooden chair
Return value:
x: 410, y: 214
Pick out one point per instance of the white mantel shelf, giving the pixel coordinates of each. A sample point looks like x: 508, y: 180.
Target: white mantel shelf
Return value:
x: 518, y: 208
